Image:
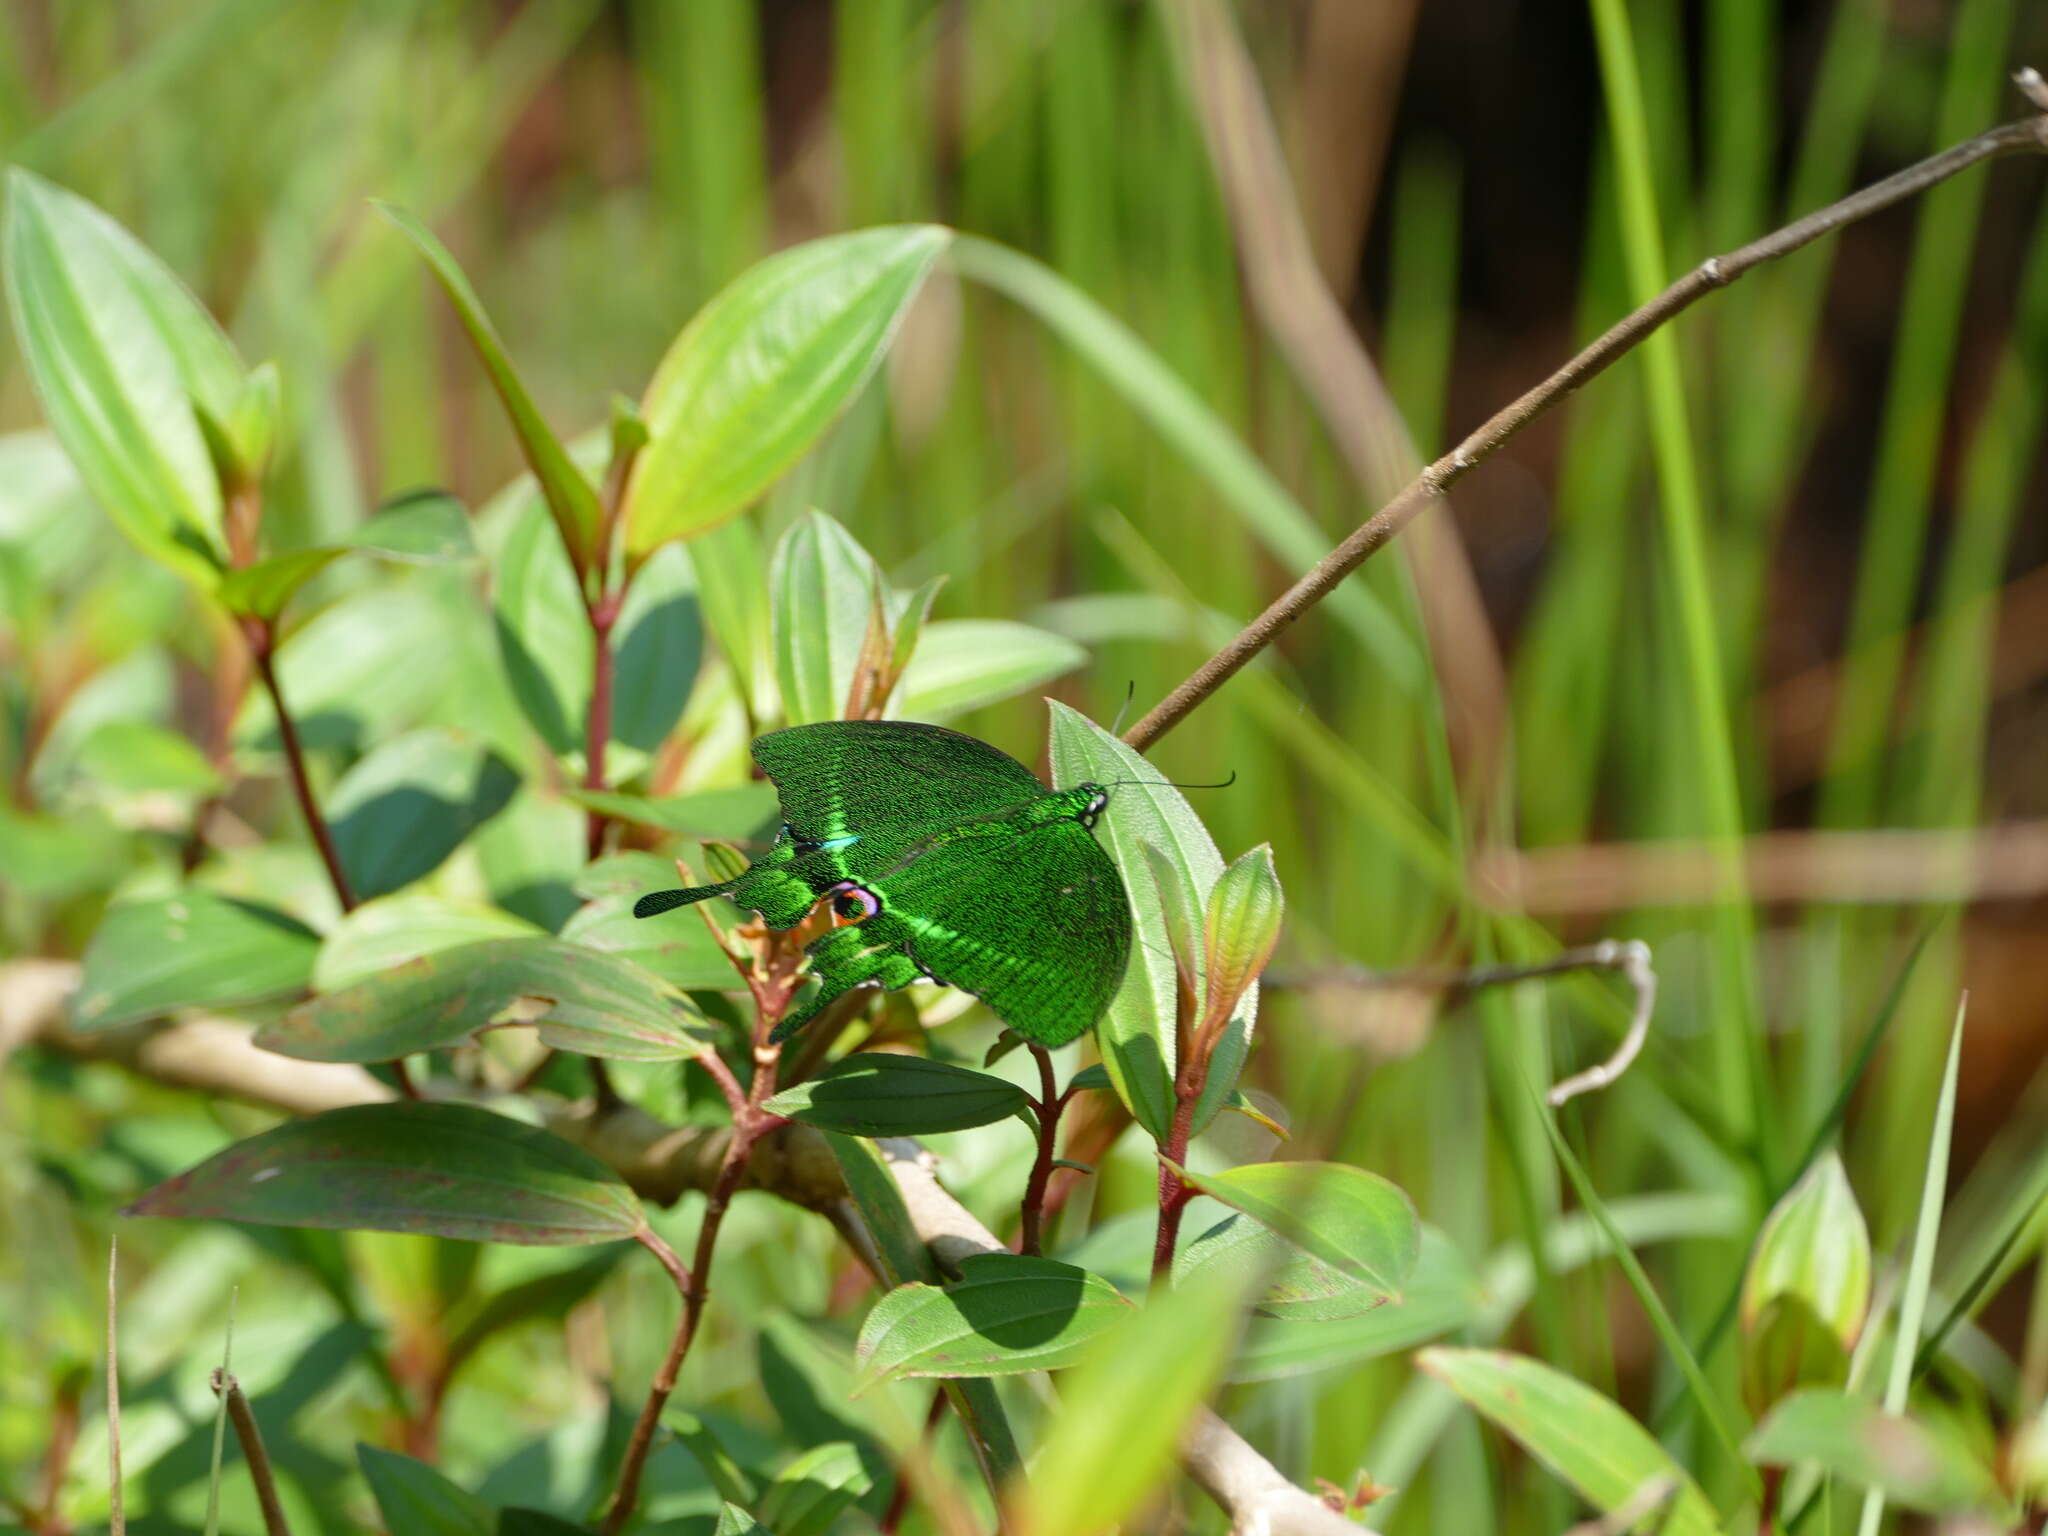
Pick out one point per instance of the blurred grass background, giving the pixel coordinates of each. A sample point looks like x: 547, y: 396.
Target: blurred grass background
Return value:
x: 1780, y: 580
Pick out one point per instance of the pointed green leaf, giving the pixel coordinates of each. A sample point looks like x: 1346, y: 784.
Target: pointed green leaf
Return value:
x: 962, y: 664
x: 881, y: 1094
x: 414, y: 1498
x: 910, y: 624
x: 419, y: 527
x: 1583, y: 1437
x: 822, y: 580
x: 734, y: 1521
x: 1356, y: 1222
x: 578, y: 999
x: 409, y: 804
x: 742, y: 812
x: 1243, y: 925
x: 1005, y: 1314
x: 190, y: 950
x: 117, y: 351
x: 450, y: 1170
x: 732, y: 583
x: 902, y: 1253
x: 762, y: 370
x: 1912, y: 1464
x: 571, y: 499
x: 1809, y: 1271
x: 1136, y: 1035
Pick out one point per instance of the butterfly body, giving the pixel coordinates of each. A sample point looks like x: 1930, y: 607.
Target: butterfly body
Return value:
x: 945, y: 859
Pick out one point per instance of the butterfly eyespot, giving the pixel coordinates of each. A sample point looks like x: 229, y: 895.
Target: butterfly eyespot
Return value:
x: 853, y: 903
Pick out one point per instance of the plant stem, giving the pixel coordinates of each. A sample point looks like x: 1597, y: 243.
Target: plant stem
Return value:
x: 2028, y: 135
x: 253, y: 1452
x: 1174, y: 1193
x: 750, y: 1124
x: 1049, y: 1104
x: 597, y: 733
x: 262, y: 643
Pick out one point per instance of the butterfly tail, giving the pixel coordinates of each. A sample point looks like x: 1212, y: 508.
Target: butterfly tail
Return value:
x: 657, y: 902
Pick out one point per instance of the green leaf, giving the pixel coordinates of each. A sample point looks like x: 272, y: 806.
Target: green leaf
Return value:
x: 732, y: 584
x: 809, y: 1494
x: 1299, y: 1332
x: 1112, y: 1441
x: 578, y: 999
x: 390, y: 930
x: 1356, y: 1222
x: 727, y: 1476
x: 879, y: 1198
x: 409, y: 804
x: 1243, y: 926
x: 116, y: 351
x: 734, y: 1521
x: 823, y: 583
x: 883, y: 1094
x: 1136, y: 1035
x: 422, y: 527
x: 1583, y: 1437
x: 762, y: 370
x: 962, y: 664
x: 910, y: 624
x: 189, y: 950
x: 684, y: 954
x: 571, y: 499
x: 1856, y: 1440
x: 414, y: 1498
x: 1806, y: 1291
x: 656, y: 649
x: 135, y: 757
x: 450, y: 1170
x: 1005, y: 1314
x: 737, y: 814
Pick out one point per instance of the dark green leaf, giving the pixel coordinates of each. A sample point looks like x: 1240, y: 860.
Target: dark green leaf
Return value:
x: 1356, y: 1222
x: 762, y: 370
x: 408, y: 805
x: 881, y: 1094
x: 656, y: 648
x: 732, y: 584
x: 446, y: 1169
x: 579, y: 1000
x: 190, y: 950
x: 117, y: 351
x: 571, y: 499
x: 1005, y: 1314
x: 727, y: 1475
x: 903, y: 1254
x: 419, y: 1501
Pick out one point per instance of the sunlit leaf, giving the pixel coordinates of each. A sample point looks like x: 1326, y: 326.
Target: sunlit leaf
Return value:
x: 1356, y: 1222
x: 808, y: 1495
x: 1855, y: 1440
x: 414, y: 1498
x: 1005, y: 1314
x: 1583, y: 1437
x: 823, y: 583
x: 962, y: 664
x: 451, y: 1170
x: 390, y: 930
x: 737, y: 814
x: 762, y: 370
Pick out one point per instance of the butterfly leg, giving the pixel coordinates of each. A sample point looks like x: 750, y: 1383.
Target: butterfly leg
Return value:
x: 842, y: 960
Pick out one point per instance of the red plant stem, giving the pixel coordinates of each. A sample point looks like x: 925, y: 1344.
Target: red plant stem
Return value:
x: 750, y: 1124
x: 1174, y: 1193
x: 1049, y: 1104
x: 262, y: 642
x: 597, y: 734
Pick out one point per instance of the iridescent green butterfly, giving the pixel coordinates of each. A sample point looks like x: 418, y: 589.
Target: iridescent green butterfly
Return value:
x: 947, y: 860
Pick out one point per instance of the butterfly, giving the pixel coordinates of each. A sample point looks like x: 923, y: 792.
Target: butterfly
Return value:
x: 945, y: 860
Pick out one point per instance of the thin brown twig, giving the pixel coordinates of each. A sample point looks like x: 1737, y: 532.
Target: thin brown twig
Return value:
x: 2028, y: 135
x: 262, y: 645
x: 117, y: 1514
x: 1048, y: 1104
x: 254, y: 1453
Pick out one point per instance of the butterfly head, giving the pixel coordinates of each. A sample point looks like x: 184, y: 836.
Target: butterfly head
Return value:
x: 1092, y: 806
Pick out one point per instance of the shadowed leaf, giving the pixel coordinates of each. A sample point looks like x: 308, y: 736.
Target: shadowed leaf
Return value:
x: 1005, y: 1314
x: 882, y: 1094
x: 446, y: 1169
x: 1356, y: 1222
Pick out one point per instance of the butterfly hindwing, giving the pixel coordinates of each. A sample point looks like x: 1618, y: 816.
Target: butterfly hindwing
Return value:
x: 1036, y: 926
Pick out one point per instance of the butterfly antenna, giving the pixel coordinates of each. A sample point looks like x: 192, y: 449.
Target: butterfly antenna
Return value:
x: 1116, y: 726
x: 1171, y: 784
